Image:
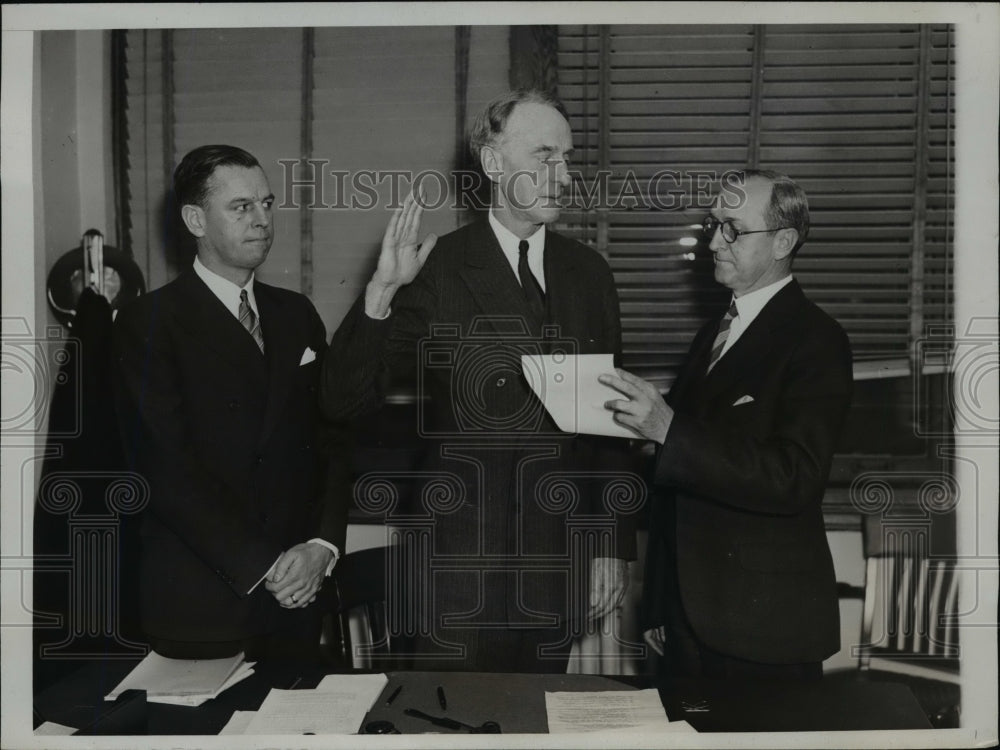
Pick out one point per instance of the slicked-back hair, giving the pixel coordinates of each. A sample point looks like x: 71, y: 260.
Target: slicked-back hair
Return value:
x: 788, y: 206
x: 491, y: 121
x: 192, y: 174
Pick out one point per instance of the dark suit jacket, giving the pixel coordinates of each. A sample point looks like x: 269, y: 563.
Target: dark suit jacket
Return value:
x: 508, y: 500
x: 229, y: 442
x: 742, y: 523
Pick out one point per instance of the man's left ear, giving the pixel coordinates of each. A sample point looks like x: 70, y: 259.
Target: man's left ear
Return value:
x: 784, y: 243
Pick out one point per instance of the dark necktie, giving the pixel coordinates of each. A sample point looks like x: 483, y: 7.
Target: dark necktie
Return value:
x: 249, y: 320
x: 532, y: 290
x: 723, y: 334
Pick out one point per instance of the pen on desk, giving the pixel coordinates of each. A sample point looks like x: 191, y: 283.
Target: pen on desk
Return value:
x: 441, y: 699
x: 392, y: 697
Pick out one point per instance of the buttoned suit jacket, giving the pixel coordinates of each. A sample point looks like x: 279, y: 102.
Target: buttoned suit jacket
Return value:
x: 514, y: 508
x: 230, y: 444
x: 737, y: 539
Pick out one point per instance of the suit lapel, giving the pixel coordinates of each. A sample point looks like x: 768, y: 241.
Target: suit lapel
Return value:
x: 283, y: 350
x: 563, y: 285
x: 203, y: 316
x: 692, y: 373
x: 490, y: 279
x: 756, y: 343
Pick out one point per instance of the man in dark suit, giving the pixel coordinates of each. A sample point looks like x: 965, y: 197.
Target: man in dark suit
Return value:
x: 217, y: 400
x: 525, y: 546
x: 739, y: 579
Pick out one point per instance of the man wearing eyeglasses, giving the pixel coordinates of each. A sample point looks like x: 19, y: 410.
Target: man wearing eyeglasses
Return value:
x: 739, y: 577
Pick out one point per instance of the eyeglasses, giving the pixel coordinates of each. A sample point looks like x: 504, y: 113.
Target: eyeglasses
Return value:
x: 729, y: 232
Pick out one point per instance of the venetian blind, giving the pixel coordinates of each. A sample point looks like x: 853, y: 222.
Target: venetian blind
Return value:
x: 859, y: 115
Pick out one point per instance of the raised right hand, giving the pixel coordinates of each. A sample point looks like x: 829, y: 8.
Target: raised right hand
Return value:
x: 401, y: 257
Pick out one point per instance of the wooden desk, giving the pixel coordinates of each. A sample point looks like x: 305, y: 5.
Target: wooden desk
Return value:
x: 515, y: 701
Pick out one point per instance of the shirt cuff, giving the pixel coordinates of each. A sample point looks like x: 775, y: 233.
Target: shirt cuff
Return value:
x: 333, y: 549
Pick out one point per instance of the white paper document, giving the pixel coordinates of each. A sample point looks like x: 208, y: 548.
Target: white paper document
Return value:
x: 186, y: 682
x: 238, y: 722
x: 567, y: 385
x: 337, y: 706
x: 367, y: 686
x: 573, y: 712
x: 51, y: 729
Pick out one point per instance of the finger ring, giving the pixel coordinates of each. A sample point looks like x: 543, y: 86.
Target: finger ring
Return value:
x: 293, y: 598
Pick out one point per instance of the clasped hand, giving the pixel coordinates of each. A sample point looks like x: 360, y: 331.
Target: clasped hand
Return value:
x: 298, y: 574
x: 644, y: 411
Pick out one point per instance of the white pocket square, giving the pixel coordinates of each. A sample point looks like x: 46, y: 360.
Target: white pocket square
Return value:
x: 743, y: 400
x: 307, y: 356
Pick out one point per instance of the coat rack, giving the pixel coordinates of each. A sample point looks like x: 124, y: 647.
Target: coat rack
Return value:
x: 110, y: 272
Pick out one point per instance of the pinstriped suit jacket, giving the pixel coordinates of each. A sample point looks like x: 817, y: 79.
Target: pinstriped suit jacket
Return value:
x: 527, y: 505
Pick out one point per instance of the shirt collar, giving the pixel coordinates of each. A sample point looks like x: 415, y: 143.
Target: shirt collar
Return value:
x: 509, y: 241
x: 748, y: 306
x: 227, y: 292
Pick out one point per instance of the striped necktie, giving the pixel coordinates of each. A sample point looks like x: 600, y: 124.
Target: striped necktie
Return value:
x: 720, y: 338
x: 249, y: 320
x: 532, y: 289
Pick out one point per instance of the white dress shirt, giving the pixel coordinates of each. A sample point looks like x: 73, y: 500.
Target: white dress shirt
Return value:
x: 509, y: 244
x: 227, y: 292
x: 748, y: 307
x: 229, y: 295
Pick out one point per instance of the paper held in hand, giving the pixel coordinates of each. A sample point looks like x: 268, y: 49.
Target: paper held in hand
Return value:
x: 567, y: 385
x: 184, y: 682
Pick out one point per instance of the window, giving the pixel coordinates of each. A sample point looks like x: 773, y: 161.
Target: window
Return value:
x: 861, y: 116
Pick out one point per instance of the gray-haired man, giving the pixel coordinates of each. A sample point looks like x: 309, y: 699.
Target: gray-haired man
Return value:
x: 506, y: 582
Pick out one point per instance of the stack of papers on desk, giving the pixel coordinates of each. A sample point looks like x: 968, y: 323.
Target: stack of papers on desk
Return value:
x: 336, y: 706
x: 609, y: 711
x: 51, y: 729
x: 183, y: 682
